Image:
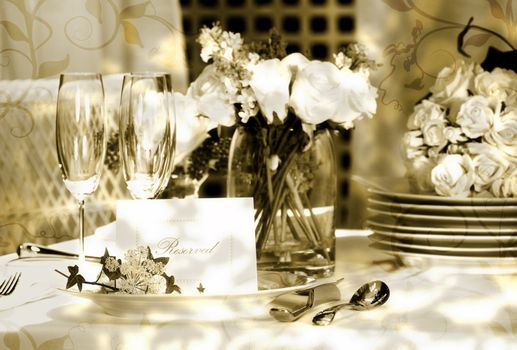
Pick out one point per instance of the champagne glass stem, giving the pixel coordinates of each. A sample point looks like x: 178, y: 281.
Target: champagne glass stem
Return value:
x: 81, y: 227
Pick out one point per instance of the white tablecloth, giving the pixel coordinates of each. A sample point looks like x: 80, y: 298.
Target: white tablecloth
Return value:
x: 428, y: 309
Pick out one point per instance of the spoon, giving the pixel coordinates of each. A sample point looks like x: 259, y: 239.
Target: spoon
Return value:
x: 368, y: 296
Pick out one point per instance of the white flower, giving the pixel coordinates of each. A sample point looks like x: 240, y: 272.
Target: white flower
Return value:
x: 424, y: 111
x: 208, y: 40
x: 341, y: 60
x: 475, y: 116
x: 230, y: 43
x: 295, y: 62
x: 505, y: 186
x: 210, y: 93
x: 453, y: 176
x: 270, y: 83
x: 413, y: 139
x: 454, y: 135
x: 321, y: 92
x: 419, y: 174
x: 452, y: 84
x: 433, y: 131
x: 489, y: 164
x: 497, y: 85
x: 191, y: 129
x: 503, y: 134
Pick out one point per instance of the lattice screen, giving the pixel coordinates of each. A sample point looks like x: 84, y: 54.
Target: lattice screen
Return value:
x: 316, y: 28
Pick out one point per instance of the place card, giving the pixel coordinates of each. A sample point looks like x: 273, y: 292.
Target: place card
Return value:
x: 210, y: 241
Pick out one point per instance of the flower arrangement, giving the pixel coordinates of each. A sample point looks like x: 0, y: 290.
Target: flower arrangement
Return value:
x: 139, y: 273
x: 283, y: 101
x: 462, y: 138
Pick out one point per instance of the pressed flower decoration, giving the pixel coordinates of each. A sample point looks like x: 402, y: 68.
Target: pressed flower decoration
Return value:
x: 139, y: 273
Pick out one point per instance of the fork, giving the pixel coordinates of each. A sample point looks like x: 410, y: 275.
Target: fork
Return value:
x: 9, y: 284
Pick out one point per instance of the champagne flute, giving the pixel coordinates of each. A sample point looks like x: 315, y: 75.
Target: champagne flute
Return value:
x: 147, y: 133
x: 81, y: 136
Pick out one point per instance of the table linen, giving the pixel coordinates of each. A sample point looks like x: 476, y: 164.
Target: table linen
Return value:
x: 428, y: 309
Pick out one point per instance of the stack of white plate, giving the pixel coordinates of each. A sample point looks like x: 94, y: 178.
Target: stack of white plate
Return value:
x: 467, y: 232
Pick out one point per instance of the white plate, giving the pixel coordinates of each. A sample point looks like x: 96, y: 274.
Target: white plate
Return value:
x: 467, y: 210
x: 449, y: 240
x: 454, y: 251
x: 188, y: 307
x: 402, y: 197
x: 373, y: 224
x: 445, y: 219
x: 451, y: 263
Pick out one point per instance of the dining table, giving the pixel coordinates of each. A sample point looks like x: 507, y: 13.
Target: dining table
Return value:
x: 429, y: 307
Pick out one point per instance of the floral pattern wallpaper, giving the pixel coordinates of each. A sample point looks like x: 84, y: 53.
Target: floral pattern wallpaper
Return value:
x: 413, y: 40
x: 43, y: 38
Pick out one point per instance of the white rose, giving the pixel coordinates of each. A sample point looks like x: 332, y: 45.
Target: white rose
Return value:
x: 426, y: 110
x: 475, y: 116
x: 321, y: 92
x: 433, y: 131
x: 452, y: 83
x: 191, y: 129
x: 505, y: 186
x: 209, y: 91
x: 454, y: 135
x: 503, y: 134
x: 489, y: 164
x: 453, y: 176
x: 413, y: 144
x: 270, y: 82
x: 497, y: 85
x: 419, y: 174
x: 295, y: 62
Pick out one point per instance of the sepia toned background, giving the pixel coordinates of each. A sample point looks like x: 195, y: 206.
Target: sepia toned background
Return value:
x: 412, y: 40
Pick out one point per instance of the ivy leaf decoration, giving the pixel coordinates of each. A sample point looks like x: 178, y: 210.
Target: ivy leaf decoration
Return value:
x: 74, y: 278
x: 171, y: 286
x: 163, y: 260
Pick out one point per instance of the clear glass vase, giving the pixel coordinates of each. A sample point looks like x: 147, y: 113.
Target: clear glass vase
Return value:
x: 293, y: 183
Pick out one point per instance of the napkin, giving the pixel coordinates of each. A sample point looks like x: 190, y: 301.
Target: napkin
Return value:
x: 26, y: 291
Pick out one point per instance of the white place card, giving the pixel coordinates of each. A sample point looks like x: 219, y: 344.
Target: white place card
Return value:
x: 210, y: 241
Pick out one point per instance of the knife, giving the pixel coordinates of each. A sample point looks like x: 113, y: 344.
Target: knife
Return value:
x: 36, y: 251
x: 291, y: 306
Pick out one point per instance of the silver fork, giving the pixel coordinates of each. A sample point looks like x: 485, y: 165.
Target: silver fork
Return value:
x: 9, y: 284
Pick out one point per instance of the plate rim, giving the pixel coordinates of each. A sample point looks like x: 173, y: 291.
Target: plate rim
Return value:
x: 474, y: 258
x: 438, y: 237
x: 511, y: 209
x: 424, y: 217
x: 91, y: 294
x: 428, y: 198
x: 443, y: 230
x: 447, y: 249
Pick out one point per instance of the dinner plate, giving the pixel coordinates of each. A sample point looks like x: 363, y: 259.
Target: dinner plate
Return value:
x: 447, y: 218
x: 403, y: 197
x: 187, y: 307
x: 373, y: 224
x: 441, y: 263
x: 430, y: 209
x: 454, y: 223
x: 455, y: 251
x: 449, y: 240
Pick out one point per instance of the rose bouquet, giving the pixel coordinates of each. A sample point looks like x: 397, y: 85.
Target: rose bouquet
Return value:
x: 280, y: 104
x: 462, y: 138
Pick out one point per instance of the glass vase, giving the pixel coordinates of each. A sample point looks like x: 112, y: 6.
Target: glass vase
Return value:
x: 293, y: 183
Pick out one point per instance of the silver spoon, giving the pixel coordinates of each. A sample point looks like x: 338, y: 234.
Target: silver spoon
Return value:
x: 367, y: 297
